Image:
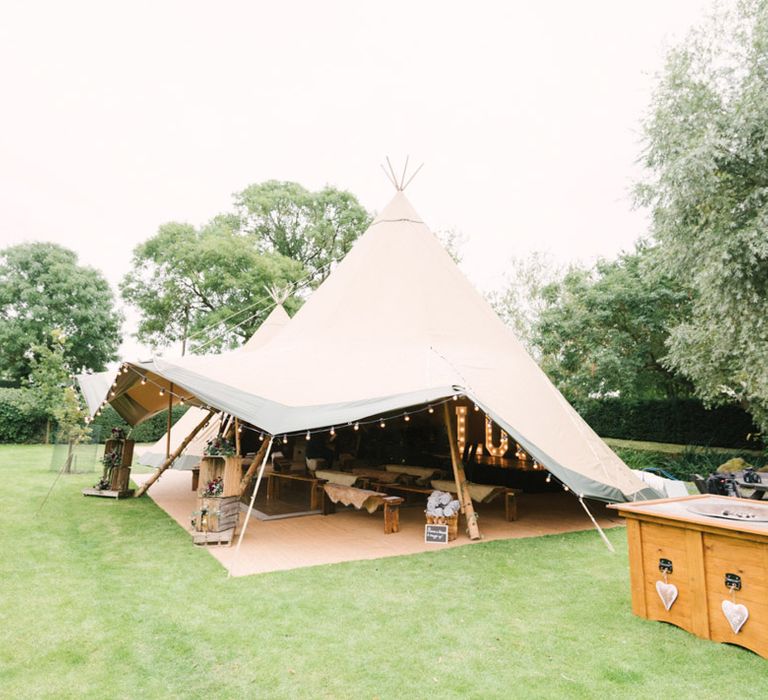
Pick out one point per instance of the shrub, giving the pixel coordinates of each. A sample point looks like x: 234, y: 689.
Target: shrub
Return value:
x: 148, y: 431
x: 684, y: 465
x: 21, y: 418
x: 679, y: 421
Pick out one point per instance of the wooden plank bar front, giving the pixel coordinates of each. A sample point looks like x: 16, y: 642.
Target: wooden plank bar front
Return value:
x: 702, y: 550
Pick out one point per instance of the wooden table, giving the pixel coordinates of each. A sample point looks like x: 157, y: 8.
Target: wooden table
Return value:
x: 316, y: 488
x: 700, y: 555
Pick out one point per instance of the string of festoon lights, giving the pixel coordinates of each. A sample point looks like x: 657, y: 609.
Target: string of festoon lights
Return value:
x: 283, y: 438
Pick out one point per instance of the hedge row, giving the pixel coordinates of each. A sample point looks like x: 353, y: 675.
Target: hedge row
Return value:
x: 22, y: 421
x: 679, y: 421
x: 148, y: 431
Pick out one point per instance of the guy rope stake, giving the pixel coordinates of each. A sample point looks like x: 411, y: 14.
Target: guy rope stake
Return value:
x: 250, y: 505
x: 599, y: 529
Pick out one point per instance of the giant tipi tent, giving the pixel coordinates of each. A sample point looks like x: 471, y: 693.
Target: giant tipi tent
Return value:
x: 395, y: 325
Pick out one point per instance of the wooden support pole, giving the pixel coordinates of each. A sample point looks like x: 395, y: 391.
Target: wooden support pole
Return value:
x: 252, y: 469
x: 168, y: 423
x: 170, y: 459
x: 461, y: 480
x: 250, y: 505
x: 237, y: 436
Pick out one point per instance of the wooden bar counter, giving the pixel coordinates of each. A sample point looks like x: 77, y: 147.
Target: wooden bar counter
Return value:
x: 708, y: 558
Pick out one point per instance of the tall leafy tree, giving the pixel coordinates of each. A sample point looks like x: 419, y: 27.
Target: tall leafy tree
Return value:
x: 43, y: 289
x: 521, y: 301
x: 206, y: 286
x: 603, y: 331
x: 706, y: 157
x: 51, y: 382
x: 313, y: 228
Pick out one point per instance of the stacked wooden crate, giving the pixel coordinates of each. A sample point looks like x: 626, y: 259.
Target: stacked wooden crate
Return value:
x: 218, y: 513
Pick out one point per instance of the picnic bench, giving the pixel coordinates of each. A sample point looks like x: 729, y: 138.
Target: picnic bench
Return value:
x: 363, y: 498
x: 315, y: 486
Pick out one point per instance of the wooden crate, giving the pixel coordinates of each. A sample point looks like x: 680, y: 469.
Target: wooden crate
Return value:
x: 125, y: 447
x: 120, y: 478
x: 700, y: 550
x: 216, y: 513
x: 228, y: 468
x: 452, y: 522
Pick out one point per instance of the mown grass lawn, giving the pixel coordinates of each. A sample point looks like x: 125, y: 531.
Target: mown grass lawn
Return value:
x: 103, y: 599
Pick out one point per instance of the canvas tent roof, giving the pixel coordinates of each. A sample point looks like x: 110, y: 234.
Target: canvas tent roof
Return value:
x: 396, y: 324
x: 154, y: 456
x: 94, y: 388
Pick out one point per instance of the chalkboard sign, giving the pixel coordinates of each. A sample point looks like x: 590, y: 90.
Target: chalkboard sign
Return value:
x: 436, y: 534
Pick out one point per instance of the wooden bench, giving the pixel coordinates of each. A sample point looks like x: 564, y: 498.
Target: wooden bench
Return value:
x: 315, y: 486
x: 510, y: 495
x: 391, y: 505
x: 401, y: 488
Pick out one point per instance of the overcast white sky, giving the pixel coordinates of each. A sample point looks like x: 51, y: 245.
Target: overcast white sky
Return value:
x: 118, y: 117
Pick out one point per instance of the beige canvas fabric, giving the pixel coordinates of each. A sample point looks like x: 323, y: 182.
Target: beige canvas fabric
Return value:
x: 154, y: 455
x: 397, y: 324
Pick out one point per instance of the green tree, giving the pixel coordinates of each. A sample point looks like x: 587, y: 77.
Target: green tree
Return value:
x: 42, y: 289
x: 603, y: 331
x: 208, y: 285
x: 204, y: 285
x: 521, y: 301
x: 313, y: 228
x: 706, y: 155
x: 51, y: 381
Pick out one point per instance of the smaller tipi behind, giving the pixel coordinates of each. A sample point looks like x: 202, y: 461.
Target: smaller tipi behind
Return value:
x: 155, y: 455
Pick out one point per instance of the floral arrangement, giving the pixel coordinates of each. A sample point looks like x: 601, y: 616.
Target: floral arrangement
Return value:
x: 118, y: 433
x: 219, y: 447
x: 111, y: 460
x: 215, y: 487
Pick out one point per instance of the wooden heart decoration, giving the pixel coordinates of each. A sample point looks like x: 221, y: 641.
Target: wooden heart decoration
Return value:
x: 667, y: 592
x: 736, y: 614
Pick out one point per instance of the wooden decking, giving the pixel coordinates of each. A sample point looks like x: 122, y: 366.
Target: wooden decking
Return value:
x: 350, y: 535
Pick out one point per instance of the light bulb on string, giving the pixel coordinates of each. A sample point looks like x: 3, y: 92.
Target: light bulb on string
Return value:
x: 406, y: 418
x: 477, y: 408
x: 382, y: 424
x: 431, y: 410
x: 114, y: 385
x: 143, y: 381
x: 285, y: 439
x: 181, y: 400
x: 239, y: 428
x: 455, y: 397
x: 333, y: 431
x: 357, y: 426
x: 565, y: 488
x: 549, y: 478
x: 162, y: 391
x: 112, y: 393
x: 261, y: 437
x: 308, y: 435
